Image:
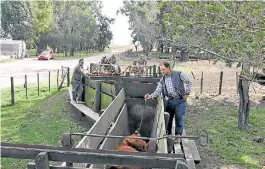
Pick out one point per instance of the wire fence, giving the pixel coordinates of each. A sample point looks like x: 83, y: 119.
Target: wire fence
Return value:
x: 32, y: 85
x: 218, y: 83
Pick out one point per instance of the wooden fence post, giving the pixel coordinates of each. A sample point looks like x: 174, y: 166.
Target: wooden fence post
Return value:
x: 154, y: 71
x: 42, y: 161
x: 26, y: 86
x: 58, y: 71
x: 12, y: 92
x: 130, y: 68
x: 192, y: 75
x: 68, y: 77
x: 236, y: 82
x: 159, y: 72
x: 90, y: 67
x: 98, y: 97
x: 49, y: 81
x: 38, y: 81
x: 62, y: 71
x: 221, y: 82
x: 202, y: 83
x: 150, y: 71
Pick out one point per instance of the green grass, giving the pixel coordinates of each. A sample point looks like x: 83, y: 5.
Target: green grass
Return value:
x: 105, y: 101
x: 32, y: 52
x: 34, y: 120
x: 183, y: 69
x: 234, y: 146
x: 90, y: 94
x: 20, y: 92
x: 60, y: 56
x: 7, y: 60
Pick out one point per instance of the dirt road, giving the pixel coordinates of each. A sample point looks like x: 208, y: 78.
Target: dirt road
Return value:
x: 30, y: 67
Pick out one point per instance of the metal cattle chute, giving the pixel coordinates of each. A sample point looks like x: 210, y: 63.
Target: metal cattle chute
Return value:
x: 127, y: 113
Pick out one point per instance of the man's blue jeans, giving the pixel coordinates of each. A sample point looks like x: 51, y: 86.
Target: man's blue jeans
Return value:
x: 177, y: 108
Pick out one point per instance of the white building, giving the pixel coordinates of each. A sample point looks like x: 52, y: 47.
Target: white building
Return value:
x: 12, y: 48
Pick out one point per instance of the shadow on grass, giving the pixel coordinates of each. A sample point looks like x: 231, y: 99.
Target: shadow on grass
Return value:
x: 40, y: 122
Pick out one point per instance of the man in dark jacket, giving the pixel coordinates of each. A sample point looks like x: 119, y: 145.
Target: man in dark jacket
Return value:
x: 77, y: 83
x: 175, y: 87
x: 104, y: 60
x: 142, y: 61
x: 112, y: 59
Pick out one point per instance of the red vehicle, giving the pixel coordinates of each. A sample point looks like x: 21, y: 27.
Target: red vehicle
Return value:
x: 46, y: 55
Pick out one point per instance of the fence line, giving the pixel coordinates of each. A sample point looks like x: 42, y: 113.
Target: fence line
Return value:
x: 37, y: 76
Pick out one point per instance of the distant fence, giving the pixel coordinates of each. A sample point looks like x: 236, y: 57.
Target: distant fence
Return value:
x: 143, y: 71
x: 121, y: 55
x: 203, y: 83
x: 62, y: 77
x: 214, y: 83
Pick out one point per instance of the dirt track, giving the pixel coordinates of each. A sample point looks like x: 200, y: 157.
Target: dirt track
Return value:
x: 30, y: 66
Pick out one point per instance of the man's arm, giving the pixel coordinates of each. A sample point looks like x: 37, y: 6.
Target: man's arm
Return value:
x: 187, y: 82
x: 158, y: 90
x: 79, y: 70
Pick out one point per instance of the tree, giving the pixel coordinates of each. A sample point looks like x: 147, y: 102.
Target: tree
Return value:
x: 104, y: 35
x: 231, y: 31
x: 79, y: 25
x: 142, y: 22
x: 42, y: 16
x: 16, y: 22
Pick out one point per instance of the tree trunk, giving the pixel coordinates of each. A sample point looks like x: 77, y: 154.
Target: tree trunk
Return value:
x: 243, y: 112
x: 36, y: 47
x: 72, y: 50
x: 65, y: 51
x: 151, y: 47
x: 184, y: 56
x: 135, y: 47
x: 244, y: 102
x: 146, y: 49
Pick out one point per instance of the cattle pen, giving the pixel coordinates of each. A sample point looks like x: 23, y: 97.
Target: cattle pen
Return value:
x: 127, y: 113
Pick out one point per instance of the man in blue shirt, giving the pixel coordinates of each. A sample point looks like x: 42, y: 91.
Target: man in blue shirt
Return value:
x: 176, y: 88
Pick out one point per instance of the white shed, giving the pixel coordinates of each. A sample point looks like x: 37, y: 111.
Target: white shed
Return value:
x: 12, y: 48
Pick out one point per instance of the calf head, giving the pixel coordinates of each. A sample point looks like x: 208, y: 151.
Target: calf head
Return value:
x: 138, y: 144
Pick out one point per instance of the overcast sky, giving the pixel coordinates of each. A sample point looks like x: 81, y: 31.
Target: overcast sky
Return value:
x: 121, y: 33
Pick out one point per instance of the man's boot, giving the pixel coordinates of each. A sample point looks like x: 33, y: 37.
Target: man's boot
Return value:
x: 177, y: 140
x: 78, y: 101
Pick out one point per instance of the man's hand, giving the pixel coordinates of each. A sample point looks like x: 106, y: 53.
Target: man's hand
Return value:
x: 185, y: 97
x: 147, y: 96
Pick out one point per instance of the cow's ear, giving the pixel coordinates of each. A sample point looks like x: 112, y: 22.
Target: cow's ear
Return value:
x: 128, y: 143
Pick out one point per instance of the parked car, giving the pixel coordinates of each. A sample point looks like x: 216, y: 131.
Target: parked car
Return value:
x: 46, y: 55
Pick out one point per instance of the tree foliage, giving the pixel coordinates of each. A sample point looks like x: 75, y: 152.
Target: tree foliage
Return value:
x: 65, y: 26
x: 231, y: 31
x: 16, y: 20
x: 142, y: 19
